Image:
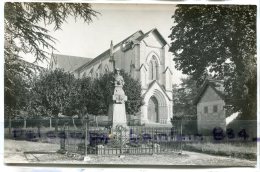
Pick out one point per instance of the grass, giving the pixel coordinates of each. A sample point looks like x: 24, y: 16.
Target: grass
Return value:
x: 243, y: 150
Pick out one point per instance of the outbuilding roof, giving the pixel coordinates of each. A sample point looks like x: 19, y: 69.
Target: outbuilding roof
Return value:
x: 216, y: 85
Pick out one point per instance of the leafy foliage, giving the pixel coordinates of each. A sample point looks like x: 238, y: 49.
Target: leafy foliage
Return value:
x: 220, y: 40
x: 132, y: 90
x: 183, y: 108
x: 183, y: 97
x: 16, y: 94
x: 58, y: 91
x: 81, y: 96
x: 53, y: 92
x: 23, y: 32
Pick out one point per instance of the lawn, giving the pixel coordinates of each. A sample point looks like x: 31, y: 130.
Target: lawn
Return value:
x: 243, y: 150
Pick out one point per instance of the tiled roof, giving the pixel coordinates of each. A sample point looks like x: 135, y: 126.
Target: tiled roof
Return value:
x: 69, y: 63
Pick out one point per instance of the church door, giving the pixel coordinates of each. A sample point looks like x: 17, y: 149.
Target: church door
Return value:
x: 153, y: 110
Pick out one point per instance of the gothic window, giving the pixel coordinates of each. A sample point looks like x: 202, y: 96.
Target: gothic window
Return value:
x: 106, y: 70
x: 84, y: 74
x: 97, y: 73
x: 91, y: 73
x: 99, y: 70
x: 132, y: 68
x: 153, y: 69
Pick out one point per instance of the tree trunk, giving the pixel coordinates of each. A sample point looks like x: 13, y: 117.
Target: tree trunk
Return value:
x: 74, y: 123
x: 56, y: 125
x: 95, y: 118
x: 86, y: 137
x: 24, y: 123
x: 39, y: 130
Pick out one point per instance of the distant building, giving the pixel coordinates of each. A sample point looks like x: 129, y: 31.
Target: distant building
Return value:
x: 210, y: 104
x: 67, y: 63
x: 146, y: 57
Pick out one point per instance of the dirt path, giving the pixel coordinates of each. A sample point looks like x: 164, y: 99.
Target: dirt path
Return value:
x: 14, y: 153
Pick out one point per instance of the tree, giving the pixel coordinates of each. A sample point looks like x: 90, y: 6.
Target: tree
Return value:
x: 51, y: 94
x: 183, y: 106
x: 22, y: 25
x: 89, y: 97
x: 183, y: 97
x: 16, y: 95
x: 132, y: 90
x: 79, y: 100
x: 220, y: 40
x: 25, y: 33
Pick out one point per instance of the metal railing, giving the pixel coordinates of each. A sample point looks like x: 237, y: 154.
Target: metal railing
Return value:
x: 132, y: 140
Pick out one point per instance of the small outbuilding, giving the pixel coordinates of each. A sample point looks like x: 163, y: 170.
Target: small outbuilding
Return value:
x: 210, y: 103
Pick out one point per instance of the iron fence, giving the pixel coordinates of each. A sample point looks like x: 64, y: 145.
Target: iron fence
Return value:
x: 129, y: 140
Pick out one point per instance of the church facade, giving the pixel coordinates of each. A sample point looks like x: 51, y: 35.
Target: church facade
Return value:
x: 146, y: 57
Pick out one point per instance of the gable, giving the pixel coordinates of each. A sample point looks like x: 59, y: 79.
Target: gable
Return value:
x: 153, y: 41
x: 210, y: 95
x: 153, y: 86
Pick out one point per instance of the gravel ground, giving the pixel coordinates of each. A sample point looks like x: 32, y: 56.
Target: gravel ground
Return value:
x: 14, y: 153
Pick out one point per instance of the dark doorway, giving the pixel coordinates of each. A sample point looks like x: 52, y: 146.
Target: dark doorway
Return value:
x: 153, y: 110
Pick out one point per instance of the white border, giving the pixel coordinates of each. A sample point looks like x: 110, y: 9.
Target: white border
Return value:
x: 17, y: 168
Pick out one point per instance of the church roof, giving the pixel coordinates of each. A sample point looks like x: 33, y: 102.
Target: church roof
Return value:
x: 216, y: 85
x: 69, y: 63
x: 108, y: 50
x: 135, y: 37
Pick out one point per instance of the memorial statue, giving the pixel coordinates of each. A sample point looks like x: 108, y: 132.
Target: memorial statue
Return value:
x: 119, y: 94
x: 119, y: 80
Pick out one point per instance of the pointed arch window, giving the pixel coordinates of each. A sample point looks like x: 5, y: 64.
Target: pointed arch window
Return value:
x: 91, y: 73
x: 132, y: 67
x: 106, y: 69
x: 153, y: 69
x: 84, y: 75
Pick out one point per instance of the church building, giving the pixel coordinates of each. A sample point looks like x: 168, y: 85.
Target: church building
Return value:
x: 146, y: 57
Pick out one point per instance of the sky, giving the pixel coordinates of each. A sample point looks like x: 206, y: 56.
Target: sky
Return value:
x: 115, y: 22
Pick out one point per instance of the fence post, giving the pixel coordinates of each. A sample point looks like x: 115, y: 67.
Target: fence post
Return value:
x: 121, y: 141
x: 181, y: 136
x: 86, y: 158
x: 86, y: 140
x: 50, y: 123
x: 62, y: 140
x: 24, y: 123
x: 10, y: 126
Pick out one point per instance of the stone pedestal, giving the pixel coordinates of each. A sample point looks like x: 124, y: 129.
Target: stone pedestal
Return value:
x: 119, y: 115
x: 117, y: 112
